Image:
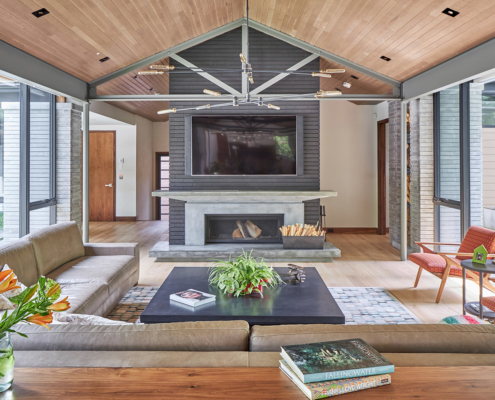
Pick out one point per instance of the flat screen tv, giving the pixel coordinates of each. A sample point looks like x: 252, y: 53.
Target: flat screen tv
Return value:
x: 245, y: 145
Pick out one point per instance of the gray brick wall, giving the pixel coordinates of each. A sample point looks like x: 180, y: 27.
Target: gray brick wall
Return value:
x: 265, y: 52
x: 394, y: 172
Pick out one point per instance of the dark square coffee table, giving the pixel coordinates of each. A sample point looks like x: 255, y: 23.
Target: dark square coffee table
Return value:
x: 309, y: 302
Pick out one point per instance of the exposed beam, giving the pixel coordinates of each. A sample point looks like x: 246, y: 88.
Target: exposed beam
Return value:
x: 206, y: 75
x: 85, y: 174
x: 279, y: 77
x: 471, y: 64
x: 168, y: 52
x: 25, y: 68
x: 273, y: 97
x: 244, y: 77
x: 323, y: 53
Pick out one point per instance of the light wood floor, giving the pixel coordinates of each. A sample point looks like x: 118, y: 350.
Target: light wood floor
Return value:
x: 367, y: 260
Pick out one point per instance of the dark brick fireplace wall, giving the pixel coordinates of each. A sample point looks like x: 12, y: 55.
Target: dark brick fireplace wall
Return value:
x: 265, y: 53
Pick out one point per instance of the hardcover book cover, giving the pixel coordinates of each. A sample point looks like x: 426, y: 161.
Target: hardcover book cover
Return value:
x: 321, y: 390
x: 340, y: 359
x: 192, y: 297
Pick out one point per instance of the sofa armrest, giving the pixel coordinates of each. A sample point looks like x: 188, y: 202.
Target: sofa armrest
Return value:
x: 112, y: 249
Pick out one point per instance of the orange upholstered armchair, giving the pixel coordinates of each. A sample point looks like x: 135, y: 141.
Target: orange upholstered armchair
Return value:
x: 448, y: 264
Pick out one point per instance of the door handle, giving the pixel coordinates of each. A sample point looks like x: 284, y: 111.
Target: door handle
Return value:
x: 109, y: 185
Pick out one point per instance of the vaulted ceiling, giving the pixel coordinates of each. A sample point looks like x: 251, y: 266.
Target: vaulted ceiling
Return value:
x: 76, y: 34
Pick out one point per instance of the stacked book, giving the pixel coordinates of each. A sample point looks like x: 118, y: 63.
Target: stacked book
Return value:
x: 331, y: 368
x: 193, y: 297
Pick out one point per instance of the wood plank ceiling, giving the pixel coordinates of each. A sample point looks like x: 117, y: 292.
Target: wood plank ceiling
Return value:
x: 76, y: 34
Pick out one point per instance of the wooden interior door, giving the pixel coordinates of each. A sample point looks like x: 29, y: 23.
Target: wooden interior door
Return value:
x: 102, y: 175
x: 382, y: 178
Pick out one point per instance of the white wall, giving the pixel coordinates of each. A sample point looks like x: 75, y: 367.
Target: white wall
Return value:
x: 348, y: 162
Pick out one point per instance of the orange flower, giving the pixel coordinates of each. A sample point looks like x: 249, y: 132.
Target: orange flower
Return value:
x: 31, y: 293
x: 53, y: 290
x: 41, y: 320
x: 62, y: 305
x: 9, y: 283
x: 4, y: 274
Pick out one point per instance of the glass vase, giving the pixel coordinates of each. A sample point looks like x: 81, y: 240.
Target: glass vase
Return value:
x: 6, y: 361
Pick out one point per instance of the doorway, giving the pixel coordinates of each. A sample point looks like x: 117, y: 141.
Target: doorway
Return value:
x: 162, y: 183
x: 382, y: 177
x: 102, y: 175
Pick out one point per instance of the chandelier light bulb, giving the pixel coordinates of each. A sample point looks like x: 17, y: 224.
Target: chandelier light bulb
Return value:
x: 243, y: 59
x: 170, y: 110
x: 212, y: 93
x: 332, y: 71
x: 273, y: 107
x: 203, y: 107
x: 251, y: 80
x: 321, y: 74
x: 164, y: 67
x: 151, y: 73
x: 327, y: 93
x: 346, y: 85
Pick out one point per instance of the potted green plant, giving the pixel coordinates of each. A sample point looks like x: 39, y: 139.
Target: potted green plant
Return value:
x: 243, y: 276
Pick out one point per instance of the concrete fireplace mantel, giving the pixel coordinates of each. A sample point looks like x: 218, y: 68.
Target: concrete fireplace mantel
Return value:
x: 241, y: 196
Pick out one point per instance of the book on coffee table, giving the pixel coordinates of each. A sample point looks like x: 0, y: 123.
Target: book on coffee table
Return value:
x: 339, y: 359
x: 192, y: 297
x: 320, y: 390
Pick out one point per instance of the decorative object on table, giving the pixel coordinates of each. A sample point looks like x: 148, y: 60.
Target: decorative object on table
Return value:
x: 296, y: 274
x: 34, y: 305
x: 463, y: 320
x: 483, y: 273
x: 192, y: 297
x: 244, y: 275
x: 443, y: 266
x: 304, y: 237
x: 324, y: 361
x: 479, y: 255
x: 323, y: 389
x: 371, y: 306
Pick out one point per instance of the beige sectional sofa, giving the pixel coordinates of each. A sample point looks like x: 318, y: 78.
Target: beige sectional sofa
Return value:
x: 94, y: 276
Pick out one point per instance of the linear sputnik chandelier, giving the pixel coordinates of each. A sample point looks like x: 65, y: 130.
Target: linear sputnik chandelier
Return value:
x: 246, y: 68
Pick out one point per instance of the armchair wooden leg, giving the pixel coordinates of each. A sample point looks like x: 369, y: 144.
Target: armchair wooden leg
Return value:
x: 418, y: 276
x: 445, y: 275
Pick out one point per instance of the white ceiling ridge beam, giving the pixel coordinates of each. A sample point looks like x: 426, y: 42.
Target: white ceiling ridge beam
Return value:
x: 472, y: 64
x: 273, y: 97
x: 20, y: 66
x: 206, y: 75
x: 168, y: 52
x: 281, y: 76
x: 244, y: 77
x: 323, y: 53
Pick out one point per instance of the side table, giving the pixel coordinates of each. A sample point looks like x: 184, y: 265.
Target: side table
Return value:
x: 481, y: 269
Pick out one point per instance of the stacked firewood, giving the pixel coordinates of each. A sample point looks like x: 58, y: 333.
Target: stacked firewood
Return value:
x: 246, y: 230
x: 302, y: 230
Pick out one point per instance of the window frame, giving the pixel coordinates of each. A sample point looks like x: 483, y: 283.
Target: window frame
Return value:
x: 25, y: 205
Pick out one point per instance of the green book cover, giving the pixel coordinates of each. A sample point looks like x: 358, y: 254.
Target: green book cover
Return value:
x: 339, y: 359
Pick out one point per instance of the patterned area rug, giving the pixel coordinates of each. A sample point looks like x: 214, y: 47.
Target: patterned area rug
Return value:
x: 360, y: 305
x: 371, y: 306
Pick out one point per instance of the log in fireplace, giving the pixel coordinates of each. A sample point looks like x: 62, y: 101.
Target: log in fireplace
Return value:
x: 238, y: 228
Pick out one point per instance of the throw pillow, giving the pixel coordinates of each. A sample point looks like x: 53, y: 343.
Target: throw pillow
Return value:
x: 84, y: 319
x: 463, y: 319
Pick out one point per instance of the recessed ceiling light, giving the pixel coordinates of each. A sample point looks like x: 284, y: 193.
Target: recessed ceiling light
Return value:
x: 354, y: 77
x: 104, y: 59
x: 450, y: 12
x: 135, y: 76
x: 338, y: 89
x: 97, y: 54
x: 151, y: 89
x: 346, y: 85
x: 41, y: 12
x: 385, y: 58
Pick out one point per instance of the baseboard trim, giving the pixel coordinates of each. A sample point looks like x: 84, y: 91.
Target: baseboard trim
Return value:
x: 125, y: 219
x: 352, y: 230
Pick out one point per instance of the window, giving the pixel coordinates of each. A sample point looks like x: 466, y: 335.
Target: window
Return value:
x: 163, y: 183
x: 27, y: 160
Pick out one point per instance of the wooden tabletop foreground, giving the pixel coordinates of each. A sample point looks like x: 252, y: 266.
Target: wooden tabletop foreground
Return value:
x: 236, y: 383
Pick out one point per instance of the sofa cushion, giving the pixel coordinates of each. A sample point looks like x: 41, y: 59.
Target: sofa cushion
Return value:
x: 180, y: 336
x: 417, y: 338
x: 19, y: 256
x: 265, y: 359
x: 131, y: 359
x: 56, y: 245
x: 84, y: 298
x: 111, y: 270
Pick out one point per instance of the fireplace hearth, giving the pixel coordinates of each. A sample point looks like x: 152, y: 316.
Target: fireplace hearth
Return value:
x: 243, y: 228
